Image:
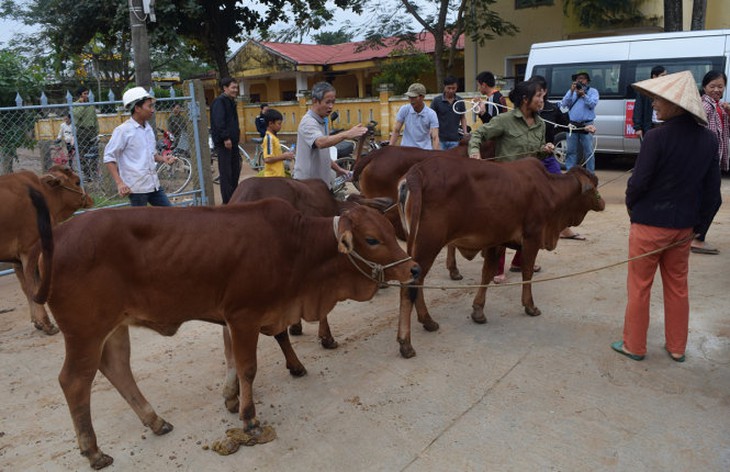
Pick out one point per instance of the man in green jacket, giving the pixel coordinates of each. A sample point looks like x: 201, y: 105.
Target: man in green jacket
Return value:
x: 87, y: 131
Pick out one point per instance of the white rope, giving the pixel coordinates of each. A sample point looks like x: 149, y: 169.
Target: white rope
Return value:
x: 570, y: 127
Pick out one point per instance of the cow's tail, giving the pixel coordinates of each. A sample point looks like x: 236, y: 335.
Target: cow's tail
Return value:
x: 409, y: 209
x: 39, y: 285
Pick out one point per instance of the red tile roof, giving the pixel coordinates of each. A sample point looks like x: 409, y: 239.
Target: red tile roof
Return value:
x: 346, y: 52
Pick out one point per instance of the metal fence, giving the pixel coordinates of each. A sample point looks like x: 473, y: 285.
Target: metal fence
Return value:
x: 75, y: 133
x: 37, y: 137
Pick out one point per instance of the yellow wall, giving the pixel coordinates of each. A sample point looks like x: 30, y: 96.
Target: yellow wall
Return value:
x: 547, y: 23
x: 382, y: 109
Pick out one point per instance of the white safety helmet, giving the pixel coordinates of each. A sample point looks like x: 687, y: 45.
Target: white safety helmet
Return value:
x: 134, y: 95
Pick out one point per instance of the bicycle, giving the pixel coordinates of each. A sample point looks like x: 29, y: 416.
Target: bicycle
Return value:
x: 173, y: 177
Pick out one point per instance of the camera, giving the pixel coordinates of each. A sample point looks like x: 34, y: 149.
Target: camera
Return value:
x: 578, y: 86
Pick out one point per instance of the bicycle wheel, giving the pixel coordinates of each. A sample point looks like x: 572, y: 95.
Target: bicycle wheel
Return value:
x: 258, y: 159
x: 176, y: 176
x: 347, y: 163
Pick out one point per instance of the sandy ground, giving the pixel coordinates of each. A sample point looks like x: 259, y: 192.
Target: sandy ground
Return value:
x: 516, y: 394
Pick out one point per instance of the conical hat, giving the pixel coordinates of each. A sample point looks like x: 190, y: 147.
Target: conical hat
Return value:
x: 679, y: 88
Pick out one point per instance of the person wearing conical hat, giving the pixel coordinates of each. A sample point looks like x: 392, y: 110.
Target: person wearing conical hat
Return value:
x: 673, y: 189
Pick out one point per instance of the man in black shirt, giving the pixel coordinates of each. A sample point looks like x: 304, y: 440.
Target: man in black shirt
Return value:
x: 226, y: 134
x: 449, y: 120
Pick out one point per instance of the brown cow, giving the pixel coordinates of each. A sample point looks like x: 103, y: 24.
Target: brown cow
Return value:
x: 254, y: 267
x: 312, y: 197
x: 63, y: 194
x: 478, y: 205
x: 377, y: 175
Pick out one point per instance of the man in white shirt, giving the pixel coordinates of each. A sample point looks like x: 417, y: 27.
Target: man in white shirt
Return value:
x: 422, y: 123
x: 131, y: 153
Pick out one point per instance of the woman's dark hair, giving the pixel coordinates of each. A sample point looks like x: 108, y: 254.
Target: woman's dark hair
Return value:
x: 81, y: 90
x: 272, y: 115
x: 712, y: 75
x: 524, y: 91
x: 540, y: 80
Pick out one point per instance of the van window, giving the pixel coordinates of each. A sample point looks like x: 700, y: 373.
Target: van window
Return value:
x: 699, y: 66
x: 614, y: 79
x: 605, y: 77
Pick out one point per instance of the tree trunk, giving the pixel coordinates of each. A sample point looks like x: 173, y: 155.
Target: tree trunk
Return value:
x: 438, y: 61
x: 699, y: 12
x: 672, y: 15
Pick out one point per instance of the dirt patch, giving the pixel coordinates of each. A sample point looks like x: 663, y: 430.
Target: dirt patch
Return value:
x: 519, y: 393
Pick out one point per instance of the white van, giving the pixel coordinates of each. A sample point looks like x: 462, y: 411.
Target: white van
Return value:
x: 615, y: 62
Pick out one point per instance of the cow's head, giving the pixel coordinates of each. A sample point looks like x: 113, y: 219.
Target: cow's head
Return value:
x: 368, y: 239
x: 66, y: 185
x: 589, y: 189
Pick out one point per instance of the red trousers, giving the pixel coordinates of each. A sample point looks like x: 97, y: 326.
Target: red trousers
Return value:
x: 674, y: 266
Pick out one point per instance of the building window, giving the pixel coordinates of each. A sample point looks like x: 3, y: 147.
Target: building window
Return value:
x: 533, y: 3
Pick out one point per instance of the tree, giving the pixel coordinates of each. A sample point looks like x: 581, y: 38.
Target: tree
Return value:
x: 672, y: 15
x: 17, y: 125
x: 333, y: 37
x: 405, y: 67
x: 447, y: 20
x: 699, y: 11
x: 205, y: 26
x: 607, y: 13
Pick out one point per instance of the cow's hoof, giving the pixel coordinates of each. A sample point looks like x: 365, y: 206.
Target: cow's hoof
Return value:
x: 163, y: 428
x: 300, y: 371
x: 454, y: 274
x: 101, y: 461
x: 478, y: 316
x: 533, y: 311
x: 232, y: 404
x: 383, y: 285
x: 49, y: 328
x: 295, y: 329
x: 406, y: 350
x: 329, y: 343
x: 430, y: 325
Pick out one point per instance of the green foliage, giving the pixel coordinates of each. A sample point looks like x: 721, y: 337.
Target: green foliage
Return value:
x: 16, y: 77
x: 333, y: 37
x: 607, y: 13
x: 406, y: 66
x: 484, y: 24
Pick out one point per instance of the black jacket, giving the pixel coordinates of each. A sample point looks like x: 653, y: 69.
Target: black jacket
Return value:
x: 551, y: 112
x: 493, y: 110
x: 224, y: 120
x: 643, y: 112
x: 676, y: 180
x: 261, y: 125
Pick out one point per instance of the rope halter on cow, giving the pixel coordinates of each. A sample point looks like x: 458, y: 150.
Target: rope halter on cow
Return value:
x: 80, y: 191
x: 377, y: 271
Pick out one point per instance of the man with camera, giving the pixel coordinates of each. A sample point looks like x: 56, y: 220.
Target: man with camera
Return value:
x: 581, y: 101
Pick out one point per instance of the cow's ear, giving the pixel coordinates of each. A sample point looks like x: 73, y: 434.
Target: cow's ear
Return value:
x: 382, y: 204
x: 51, y: 180
x: 345, y: 243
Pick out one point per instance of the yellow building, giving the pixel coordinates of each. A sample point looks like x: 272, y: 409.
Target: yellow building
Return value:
x: 543, y: 20
x: 276, y: 72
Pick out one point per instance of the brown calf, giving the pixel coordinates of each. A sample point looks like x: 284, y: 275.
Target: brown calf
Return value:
x: 63, y: 195
x: 254, y: 267
x: 480, y: 205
